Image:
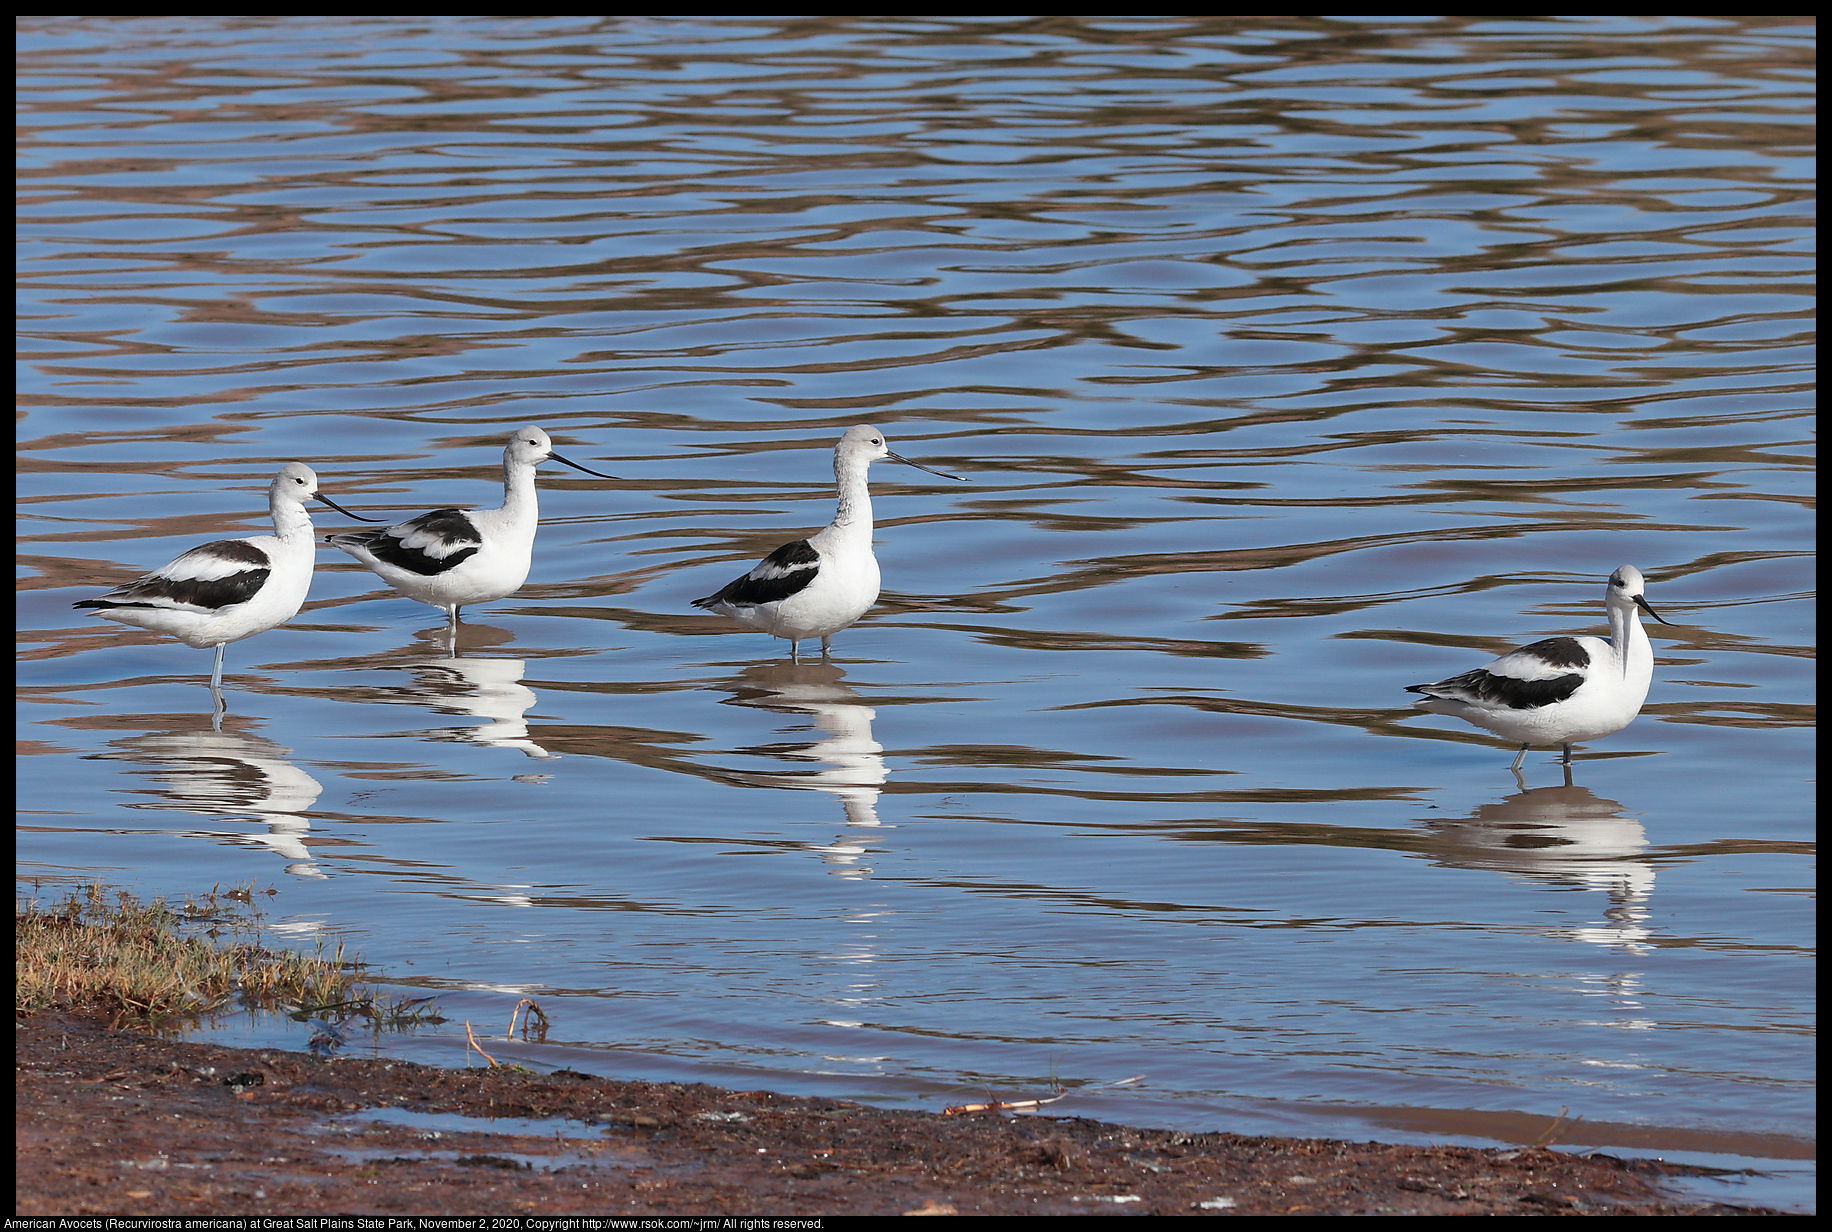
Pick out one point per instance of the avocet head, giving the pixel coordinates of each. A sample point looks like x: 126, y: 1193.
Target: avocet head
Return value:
x: 863, y: 444
x: 297, y: 483
x: 1626, y: 587
x: 529, y: 446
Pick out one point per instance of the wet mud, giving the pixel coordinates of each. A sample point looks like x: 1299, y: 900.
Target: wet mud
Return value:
x: 121, y: 1122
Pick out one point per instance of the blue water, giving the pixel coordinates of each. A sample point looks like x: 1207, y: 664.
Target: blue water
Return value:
x: 1290, y: 362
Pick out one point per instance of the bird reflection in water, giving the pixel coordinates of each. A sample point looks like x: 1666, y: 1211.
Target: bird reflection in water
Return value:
x: 1569, y: 837
x: 850, y: 767
x: 853, y: 762
x: 228, y: 775
x: 489, y: 689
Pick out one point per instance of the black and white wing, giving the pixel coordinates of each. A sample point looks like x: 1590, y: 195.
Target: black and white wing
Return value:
x: 427, y: 545
x: 1525, y: 679
x: 782, y: 573
x: 204, y: 580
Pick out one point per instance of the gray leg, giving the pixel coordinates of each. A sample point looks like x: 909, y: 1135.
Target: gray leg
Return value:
x: 217, y: 704
x: 793, y: 656
x: 1567, y: 755
x: 452, y: 615
x: 1519, y: 757
x: 826, y: 646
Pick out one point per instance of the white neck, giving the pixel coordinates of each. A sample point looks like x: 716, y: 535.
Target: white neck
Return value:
x: 292, y: 521
x: 1630, y: 639
x: 518, y: 489
x: 855, y: 497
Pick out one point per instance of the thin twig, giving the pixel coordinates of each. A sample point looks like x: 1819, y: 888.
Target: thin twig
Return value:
x: 994, y: 1105
x: 473, y: 1039
x: 510, y: 1034
x: 999, y: 1106
x: 1559, y: 1127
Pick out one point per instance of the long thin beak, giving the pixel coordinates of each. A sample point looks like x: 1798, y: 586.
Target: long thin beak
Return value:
x: 588, y: 470
x: 1643, y: 605
x: 919, y: 466
x: 333, y: 504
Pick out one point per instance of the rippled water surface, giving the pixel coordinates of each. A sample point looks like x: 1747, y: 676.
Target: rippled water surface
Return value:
x: 1289, y: 363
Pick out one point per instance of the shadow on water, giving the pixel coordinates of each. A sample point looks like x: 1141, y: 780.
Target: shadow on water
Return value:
x: 853, y: 762
x: 451, y: 682
x: 445, y: 674
x: 188, y: 765
x: 192, y: 764
x: 1564, y: 836
x: 490, y: 689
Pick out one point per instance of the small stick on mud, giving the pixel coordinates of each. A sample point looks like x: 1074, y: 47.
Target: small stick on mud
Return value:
x: 993, y: 1105
x: 1016, y: 1105
x: 534, y: 1012
x: 480, y: 1052
x: 1559, y: 1127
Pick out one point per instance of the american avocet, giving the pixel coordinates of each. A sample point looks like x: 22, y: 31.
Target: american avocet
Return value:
x: 225, y: 591
x: 1562, y: 690
x: 452, y: 558
x: 817, y: 586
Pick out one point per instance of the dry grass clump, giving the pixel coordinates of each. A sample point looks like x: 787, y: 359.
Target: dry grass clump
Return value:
x: 126, y: 959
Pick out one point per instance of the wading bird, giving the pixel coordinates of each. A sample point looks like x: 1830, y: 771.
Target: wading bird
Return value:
x: 452, y: 558
x: 817, y: 586
x: 1565, y: 689
x: 225, y: 591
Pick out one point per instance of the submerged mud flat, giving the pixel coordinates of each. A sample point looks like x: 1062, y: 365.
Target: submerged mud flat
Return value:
x: 124, y: 1123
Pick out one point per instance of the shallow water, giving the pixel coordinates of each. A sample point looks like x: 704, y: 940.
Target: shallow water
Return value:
x: 1289, y: 363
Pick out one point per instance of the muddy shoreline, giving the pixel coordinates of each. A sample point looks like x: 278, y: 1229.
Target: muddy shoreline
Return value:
x: 125, y: 1123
